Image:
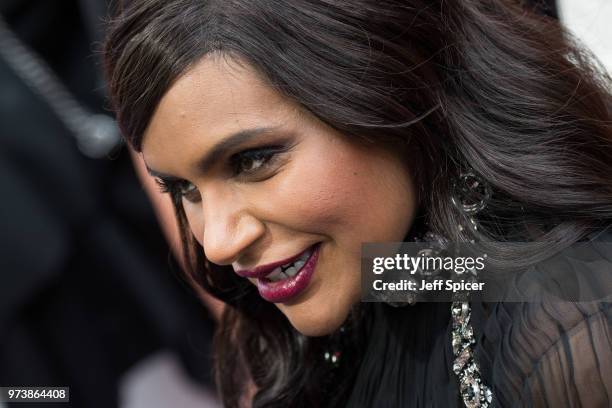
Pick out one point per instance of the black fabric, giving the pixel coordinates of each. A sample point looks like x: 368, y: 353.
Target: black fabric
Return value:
x: 407, y: 359
x: 85, y: 288
x: 538, y: 354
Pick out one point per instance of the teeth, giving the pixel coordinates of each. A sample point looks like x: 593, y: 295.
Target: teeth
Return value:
x: 291, y: 271
x: 301, y: 259
x: 305, y: 256
x: 276, y: 275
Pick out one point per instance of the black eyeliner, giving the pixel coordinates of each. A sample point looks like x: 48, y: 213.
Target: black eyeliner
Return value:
x: 269, y: 152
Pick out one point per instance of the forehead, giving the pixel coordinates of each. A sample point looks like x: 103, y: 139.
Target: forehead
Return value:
x: 215, y: 98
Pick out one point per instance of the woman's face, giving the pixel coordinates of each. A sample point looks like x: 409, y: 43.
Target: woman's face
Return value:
x: 266, y: 183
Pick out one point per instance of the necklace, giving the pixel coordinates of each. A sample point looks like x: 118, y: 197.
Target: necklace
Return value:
x: 473, y: 391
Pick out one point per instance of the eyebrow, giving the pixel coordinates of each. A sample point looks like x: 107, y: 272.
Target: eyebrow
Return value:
x: 219, y: 150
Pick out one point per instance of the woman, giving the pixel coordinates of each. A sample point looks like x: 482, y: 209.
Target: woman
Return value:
x: 289, y: 133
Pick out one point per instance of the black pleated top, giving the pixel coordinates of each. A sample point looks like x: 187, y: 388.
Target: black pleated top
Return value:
x: 545, y: 354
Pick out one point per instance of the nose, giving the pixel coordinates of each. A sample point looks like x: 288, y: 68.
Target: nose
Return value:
x: 230, y: 228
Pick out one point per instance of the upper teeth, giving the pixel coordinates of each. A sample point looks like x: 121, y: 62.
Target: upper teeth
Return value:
x: 289, y: 270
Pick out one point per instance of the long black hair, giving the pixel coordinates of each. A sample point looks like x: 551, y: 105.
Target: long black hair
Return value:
x: 485, y: 85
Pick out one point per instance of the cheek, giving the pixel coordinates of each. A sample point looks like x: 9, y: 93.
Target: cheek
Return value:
x: 343, y: 191
x: 310, y: 196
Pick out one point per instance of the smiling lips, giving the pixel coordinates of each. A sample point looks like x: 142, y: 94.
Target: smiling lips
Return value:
x: 280, y: 281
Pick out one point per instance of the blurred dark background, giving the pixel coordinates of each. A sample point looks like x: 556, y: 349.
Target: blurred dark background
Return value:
x: 87, y: 287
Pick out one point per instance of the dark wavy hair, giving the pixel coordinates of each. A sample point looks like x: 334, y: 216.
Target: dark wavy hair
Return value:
x: 486, y: 85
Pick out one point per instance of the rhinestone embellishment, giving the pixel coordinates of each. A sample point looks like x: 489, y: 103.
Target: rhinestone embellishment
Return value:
x: 473, y: 391
x: 471, y: 193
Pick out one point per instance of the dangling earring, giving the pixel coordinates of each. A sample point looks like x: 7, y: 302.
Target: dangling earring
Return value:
x: 436, y: 245
x: 470, y: 196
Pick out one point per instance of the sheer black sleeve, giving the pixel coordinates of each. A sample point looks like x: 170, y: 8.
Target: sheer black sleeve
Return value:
x: 552, y: 353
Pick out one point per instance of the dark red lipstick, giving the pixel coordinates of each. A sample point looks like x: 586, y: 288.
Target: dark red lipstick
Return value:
x: 264, y: 270
x: 284, y: 290
x: 274, y: 290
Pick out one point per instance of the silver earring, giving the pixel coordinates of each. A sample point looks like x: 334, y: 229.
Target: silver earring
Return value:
x: 470, y: 193
x: 436, y: 246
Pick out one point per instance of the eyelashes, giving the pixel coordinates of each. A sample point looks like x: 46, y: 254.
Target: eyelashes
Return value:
x: 181, y: 188
x: 248, y: 165
x: 251, y: 161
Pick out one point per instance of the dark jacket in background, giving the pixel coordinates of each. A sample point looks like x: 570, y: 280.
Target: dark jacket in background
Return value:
x: 85, y: 285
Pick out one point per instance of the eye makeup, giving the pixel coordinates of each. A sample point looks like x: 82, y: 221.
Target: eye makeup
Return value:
x: 253, y: 164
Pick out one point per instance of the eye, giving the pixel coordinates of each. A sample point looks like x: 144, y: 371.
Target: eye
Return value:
x: 253, y: 161
x: 189, y: 191
x: 181, y: 188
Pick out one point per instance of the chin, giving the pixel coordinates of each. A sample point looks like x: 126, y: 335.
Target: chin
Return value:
x: 314, y: 324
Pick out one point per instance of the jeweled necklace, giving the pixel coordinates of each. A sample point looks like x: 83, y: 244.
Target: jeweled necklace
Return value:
x: 473, y: 391
x: 471, y: 195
